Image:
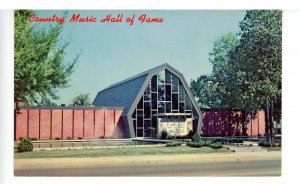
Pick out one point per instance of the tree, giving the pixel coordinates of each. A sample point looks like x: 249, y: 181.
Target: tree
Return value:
x: 247, y: 69
x: 81, y: 100
x: 258, y: 65
x: 40, y: 68
x: 217, y: 89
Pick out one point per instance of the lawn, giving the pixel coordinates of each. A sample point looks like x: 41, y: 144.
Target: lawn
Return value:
x: 118, y: 152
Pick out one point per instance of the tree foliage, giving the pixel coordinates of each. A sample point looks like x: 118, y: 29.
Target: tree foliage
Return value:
x: 257, y: 59
x: 247, y: 68
x: 81, y: 100
x: 40, y: 68
x: 217, y: 90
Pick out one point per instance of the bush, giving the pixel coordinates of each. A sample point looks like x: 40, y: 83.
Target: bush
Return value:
x: 69, y: 138
x: 171, y: 137
x: 216, y: 145
x: 79, y: 138
x: 195, y: 144
x: 164, y: 134
x: 208, y: 143
x: 196, y: 137
x: 57, y: 138
x: 264, y: 144
x: 173, y: 144
x: 190, y: 134
x: 33, y: 139
x: 25, y: 145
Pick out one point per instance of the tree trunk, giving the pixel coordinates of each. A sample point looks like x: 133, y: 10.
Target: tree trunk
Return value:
x: 267, y: 121
x: 271, y: 119
x: 244, y: 122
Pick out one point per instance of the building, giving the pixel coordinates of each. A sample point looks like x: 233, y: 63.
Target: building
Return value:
x: 141, y: 106
x: 155, y: 100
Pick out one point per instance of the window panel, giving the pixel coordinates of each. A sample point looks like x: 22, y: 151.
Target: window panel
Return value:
x: 140, y: 113
x: 154, y: 100
x: 140, y: 121
x: 147, y: 124
x: 174, y: 101
x: 134, y: 125
x: 188, y: 103
x: 154, y: 121
x: 161, y: 92
x: 168, y: 92
x: 147, y: 94
x: 161, y: 77
x: 161, y: 107
x: 168, y: 107
x: 140, y: 104
x: 140, y: 132
x: 154, y: 83
x: 181, y: 93
x: 147, y: 109
x: 168, y: 77
x: 181, y: 107
x: 175, y: 83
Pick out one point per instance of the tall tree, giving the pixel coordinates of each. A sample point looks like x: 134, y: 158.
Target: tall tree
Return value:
x: 257, y: 62
x: 247, y: 70
x: 81, y: 100
x: 218, y: 89
x: 40, y: 68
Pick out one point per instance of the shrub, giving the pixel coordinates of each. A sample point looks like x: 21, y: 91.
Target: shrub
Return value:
x: 69, y: 138
x: 164, y: 134
x: 57, y: 138
x: 33, y: 139
x: 79, y: 138
x: 20, y: 138
x: 25, y: 145
x: 265, y: 144
x: 171, y: 137
x: 196, y: 137
x: 190, y: 134
x: 216, y: 145
x: 208, y: 143
x: 195, y: 144
x: 173, y: 144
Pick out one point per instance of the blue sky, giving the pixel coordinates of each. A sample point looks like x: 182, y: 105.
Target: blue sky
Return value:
x: 112, y: 52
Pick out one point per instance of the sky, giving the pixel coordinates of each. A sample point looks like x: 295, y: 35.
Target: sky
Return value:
x: 112, y: 52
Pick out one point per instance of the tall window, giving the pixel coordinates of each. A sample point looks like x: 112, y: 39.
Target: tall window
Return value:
x: 165, y: 94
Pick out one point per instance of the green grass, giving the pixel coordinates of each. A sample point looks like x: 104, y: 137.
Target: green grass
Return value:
x: 117, y: 152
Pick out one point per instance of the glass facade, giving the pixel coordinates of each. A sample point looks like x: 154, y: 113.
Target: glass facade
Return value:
x: 164, y: 96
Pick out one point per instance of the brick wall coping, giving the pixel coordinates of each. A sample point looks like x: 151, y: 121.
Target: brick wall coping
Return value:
x: 71, y: 107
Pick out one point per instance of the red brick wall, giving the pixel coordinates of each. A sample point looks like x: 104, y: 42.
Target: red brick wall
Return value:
x: 229, y: 123
x: 99, y: 126
x: 88, y: 124
x: 78, y: 123
x: 56, y: 124
x: 109, y: 123
x: 45, y: 123
x: 21, y: 122
x: 67, y: 124
x: 62, y: 123
x: 34, y: 124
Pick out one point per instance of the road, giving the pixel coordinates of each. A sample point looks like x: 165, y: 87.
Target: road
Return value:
x: 235, y: 164
x: 253, y: 168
